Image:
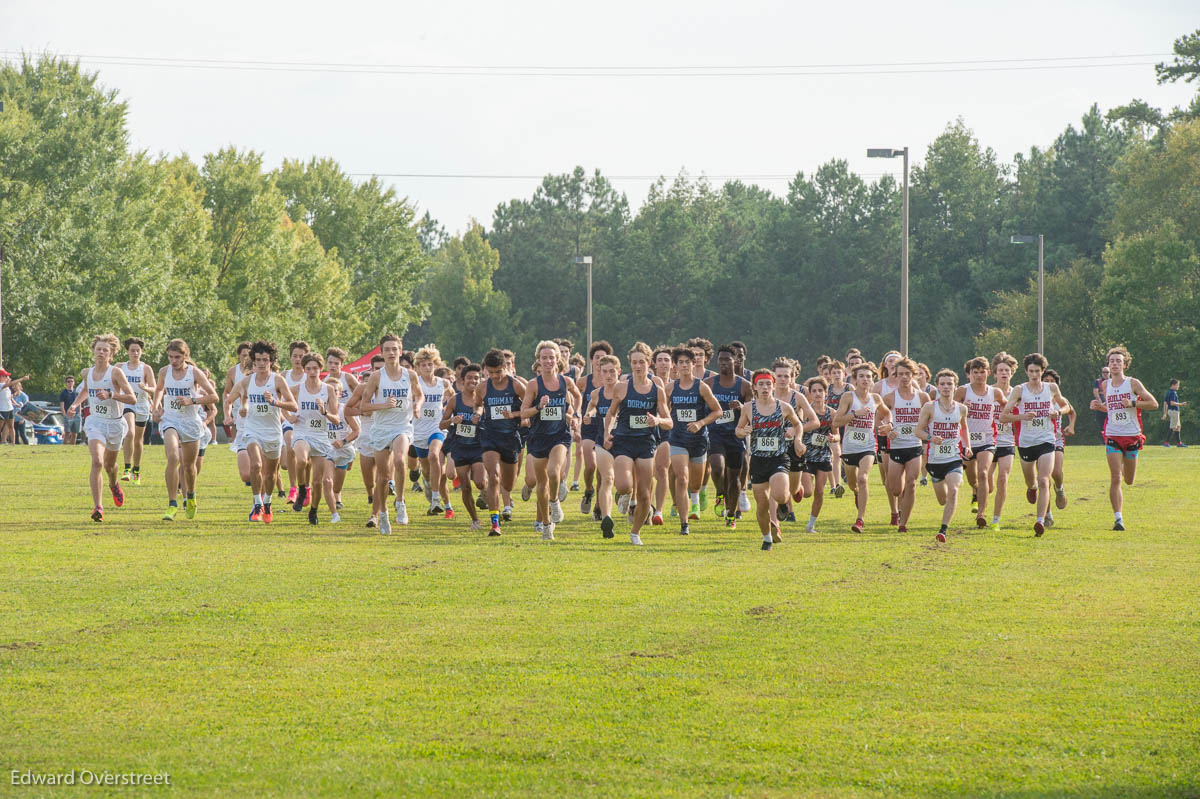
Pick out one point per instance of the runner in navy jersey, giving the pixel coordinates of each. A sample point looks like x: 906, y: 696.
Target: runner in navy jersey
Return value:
x: 819, y: 465
x: 693, y: 408
x: 726, y: 451
x: 550, y: 401
x: 608, y: 368
x: 589, y: 430
x: 835, y: 374
x: 702, y: 352
x: 785, y: 371
x: 763, y: 423
x: 663, y: 369
x: 461, y: 420
x: 639, y: 404
x: 500, y: 395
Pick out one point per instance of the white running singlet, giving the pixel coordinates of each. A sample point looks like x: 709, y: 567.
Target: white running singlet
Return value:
x: 1121, y: 421
x: 1043, y: 427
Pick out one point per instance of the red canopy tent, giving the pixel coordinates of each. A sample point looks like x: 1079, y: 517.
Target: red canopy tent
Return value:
x: 362, y: 364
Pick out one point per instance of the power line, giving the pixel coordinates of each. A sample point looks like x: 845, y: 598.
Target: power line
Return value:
x: 466, y: 176
x: 619, y: 71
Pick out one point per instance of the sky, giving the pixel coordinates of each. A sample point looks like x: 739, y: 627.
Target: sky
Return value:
x: 634, y: 89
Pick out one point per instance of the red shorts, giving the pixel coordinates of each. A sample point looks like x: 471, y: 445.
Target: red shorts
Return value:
x: 1125, y: 443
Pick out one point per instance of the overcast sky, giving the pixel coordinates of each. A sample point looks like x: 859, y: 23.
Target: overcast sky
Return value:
x: 629, y: 125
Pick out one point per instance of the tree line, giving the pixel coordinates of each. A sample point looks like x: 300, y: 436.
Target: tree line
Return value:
x: 98, y: 237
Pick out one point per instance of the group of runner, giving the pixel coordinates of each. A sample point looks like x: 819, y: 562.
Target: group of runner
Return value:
x: 666, y: 425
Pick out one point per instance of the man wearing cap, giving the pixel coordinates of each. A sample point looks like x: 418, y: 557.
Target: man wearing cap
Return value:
x: 73, y: 423
x: 6, y: 408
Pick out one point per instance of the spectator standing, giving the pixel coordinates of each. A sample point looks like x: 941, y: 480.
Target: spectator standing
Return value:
x: 19, y: 399
x: 1098, y: 396
x: 6, y: 408
x: 73, y: 424
x: 1171, y: 408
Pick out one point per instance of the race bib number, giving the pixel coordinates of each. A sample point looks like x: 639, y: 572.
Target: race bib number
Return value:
x: 1003, y: 429
x: 819, y: 440
x: 102, y: 410
x: 859, y: 436
x: 497, y: 411
x: 766, y: 444
x: 726, y: 416
x: 905, y: 429
x: 639, y: 422
x: 332, y: 434
x: 552, y: 413
x: 945, y: 449
x: 1121, y: 416
x: 429, y: 412
x: 316, y: 424
x: 175, y: 405
x: 465, y: 431
x: 1038, y: 423
x: 685, y: 414
x: 262, y: 409
x: 976, y: 438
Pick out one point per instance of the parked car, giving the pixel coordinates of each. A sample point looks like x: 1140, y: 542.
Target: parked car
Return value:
x: 47, y: 421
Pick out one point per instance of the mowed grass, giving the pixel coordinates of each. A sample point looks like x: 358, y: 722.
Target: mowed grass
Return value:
x: 286, y: 660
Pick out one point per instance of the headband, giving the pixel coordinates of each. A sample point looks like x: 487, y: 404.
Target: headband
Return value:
x: 764, y: 377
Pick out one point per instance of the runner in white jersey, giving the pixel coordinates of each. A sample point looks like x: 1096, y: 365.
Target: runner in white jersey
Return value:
x: 233, y: 419
x: 335, y: 359
x: 904, y: 447
x: 311, y: 448
x: 860, y: 412
x: 394, y: 397
x: 141, y: 379
x: 885, y: 388
x: 428, y: 438
x: 104, y: 388
x: 1036, y: 408
x: 1067, y: 428
x: 261, y: 397
x: 1003, y: 367
x: 924, y: 381
x: 296, y: 352
x: 181, y: 388
x: 1124, y: 400
x: 983, y: 406
x: 366, y: 451
x: 943, y: 424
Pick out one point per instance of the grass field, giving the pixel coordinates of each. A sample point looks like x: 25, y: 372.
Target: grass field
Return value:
x: 286, y: 660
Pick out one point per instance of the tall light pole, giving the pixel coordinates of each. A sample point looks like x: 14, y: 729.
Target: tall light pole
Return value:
x: 888, y: 152
x: 1, y: 286
x: 1041, y: 345
x: 586, y: 260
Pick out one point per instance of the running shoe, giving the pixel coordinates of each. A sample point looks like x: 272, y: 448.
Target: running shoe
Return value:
x: 117, y: 494
x: 337, y: 505
x: 704, y: 499
x: 506, y: 513
x: 585, y: 504
x: 169, y: 516
x: 941, y: 538
x: 730, y: 522
x: 791, y: 516
x: 428, y: 491
x: 526, y: 492
x: 902, y: 528
x: 298, y: 498
x: 635, y: 539
x: 98, y: 514
x: 189, y: 507
x: 1038, y: 529
x: 307, y: 496
x: 334, y: 517
x: 137, y: 478
x: 436, y: 508
x: 857, y: 527
x: 401, y: 512
x: 256, y: 514
x: 268, y: 517
x: 718, y: 507
x: 481, y: 502
x: 675, y: 512
x: 372, y: 522
x: 980, y: 522
x: 391, y: 488
x: 766, y: 545
x: 1049, y: 519
x: 839, y: 490
x: 385, y: 524
x: 556, y: 512
x: 1060, y: 497
x: 974, y: 502
x: 798, y: 496
x: 548, y: 532
x: 623, y: 504
x: 924, y: 481
x: 475, y: 526
x: 596, y: 512
x: 449, y: 513
x: 312, y: 516
x: 685, y: 529
x: 657, y: 519
x: 694, y: 511
x: 562, y: 492
x: 126, y: 475
x: 495, y: 529
x: 606, y: 527
x: 456, y: 484
x: 775, y: 536
x: 291, y: 494
x: 280, y: 493
x: 810, y: 528
x: 574, y: 485
x: 895, y: 519
x: 1031, y: 496
x: 995, y: 526
x: 743, y: 502
x: 1119, y: 526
